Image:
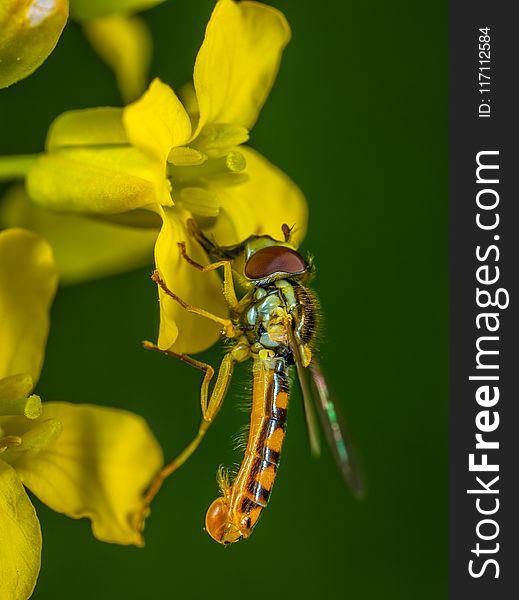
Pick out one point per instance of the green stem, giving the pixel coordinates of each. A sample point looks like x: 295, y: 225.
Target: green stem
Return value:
x: 16, y: 166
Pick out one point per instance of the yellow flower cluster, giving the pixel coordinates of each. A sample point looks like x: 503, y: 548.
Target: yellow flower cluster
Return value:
x: 112, y: 184
x: 81, y: 460
x: 182, y: 160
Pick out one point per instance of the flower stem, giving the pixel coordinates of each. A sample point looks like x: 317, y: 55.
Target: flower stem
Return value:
x: 16, y: 166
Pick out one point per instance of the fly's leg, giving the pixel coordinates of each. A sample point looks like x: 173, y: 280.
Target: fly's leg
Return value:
x: 210, y: 405
x: 228, y: 327
x: 228, y: 284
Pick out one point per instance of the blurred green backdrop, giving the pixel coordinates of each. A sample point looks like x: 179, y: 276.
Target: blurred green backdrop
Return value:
x: 358, y: 118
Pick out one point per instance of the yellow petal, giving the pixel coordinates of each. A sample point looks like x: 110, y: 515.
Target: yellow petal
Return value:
x: 100, y: 180
x: 187, y: 96
x: 18, y: 385
x: 29, y: 31
x: 217, y: 138
x: 157, y: 122
x: 20, y: 550
x: 88, y: 127
x: 93, y: 9
x: 260, y: 205
x: 28, y: 280
x: 84, y: 248
x: 180, y: 330
x: 98, y: 467
x: 125, y: 44
x: 238, y: 62
x: 200, y: 202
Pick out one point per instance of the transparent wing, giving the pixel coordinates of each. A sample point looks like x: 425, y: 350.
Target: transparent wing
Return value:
x: 336, y: 432
x: 312, y: 428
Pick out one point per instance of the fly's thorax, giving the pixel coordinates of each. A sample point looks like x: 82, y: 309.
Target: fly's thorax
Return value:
x: 268, y: 317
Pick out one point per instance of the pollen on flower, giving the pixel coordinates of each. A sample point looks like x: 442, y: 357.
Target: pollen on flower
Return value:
x: 235, y: 162
x: 28, y: 407
x: 33, y: 407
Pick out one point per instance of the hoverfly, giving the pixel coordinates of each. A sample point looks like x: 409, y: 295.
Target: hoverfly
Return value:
x: 273, y: 324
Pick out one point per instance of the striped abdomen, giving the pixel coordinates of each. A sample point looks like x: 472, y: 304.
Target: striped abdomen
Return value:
x: 234, y: 515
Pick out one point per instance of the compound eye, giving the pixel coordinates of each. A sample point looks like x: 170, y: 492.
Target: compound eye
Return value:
x: 274, y: 259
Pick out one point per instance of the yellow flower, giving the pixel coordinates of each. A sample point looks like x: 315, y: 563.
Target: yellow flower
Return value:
x: 81, y: 460
x: 183, y: 160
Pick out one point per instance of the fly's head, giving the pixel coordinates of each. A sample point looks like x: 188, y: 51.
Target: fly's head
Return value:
x: 260, y: 259
x: 267, y: 260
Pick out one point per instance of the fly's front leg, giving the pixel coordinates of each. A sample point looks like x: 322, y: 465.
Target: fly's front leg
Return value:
x: 228, y: 327
x: 210, y: 405
x: 228, y: 284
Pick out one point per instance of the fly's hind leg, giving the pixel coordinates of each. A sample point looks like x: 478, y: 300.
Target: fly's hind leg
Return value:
x: 210, y: 404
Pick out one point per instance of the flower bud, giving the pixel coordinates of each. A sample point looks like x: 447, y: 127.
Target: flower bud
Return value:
x: 29, y: 31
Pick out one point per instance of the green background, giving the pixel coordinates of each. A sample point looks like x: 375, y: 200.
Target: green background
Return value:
x: 358, y: 118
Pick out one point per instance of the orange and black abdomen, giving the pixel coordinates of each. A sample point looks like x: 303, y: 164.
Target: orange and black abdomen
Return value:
x: 268, y: 445
x: 234, y: 515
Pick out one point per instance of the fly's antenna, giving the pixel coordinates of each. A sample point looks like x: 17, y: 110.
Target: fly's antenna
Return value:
x: 287, y: 232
